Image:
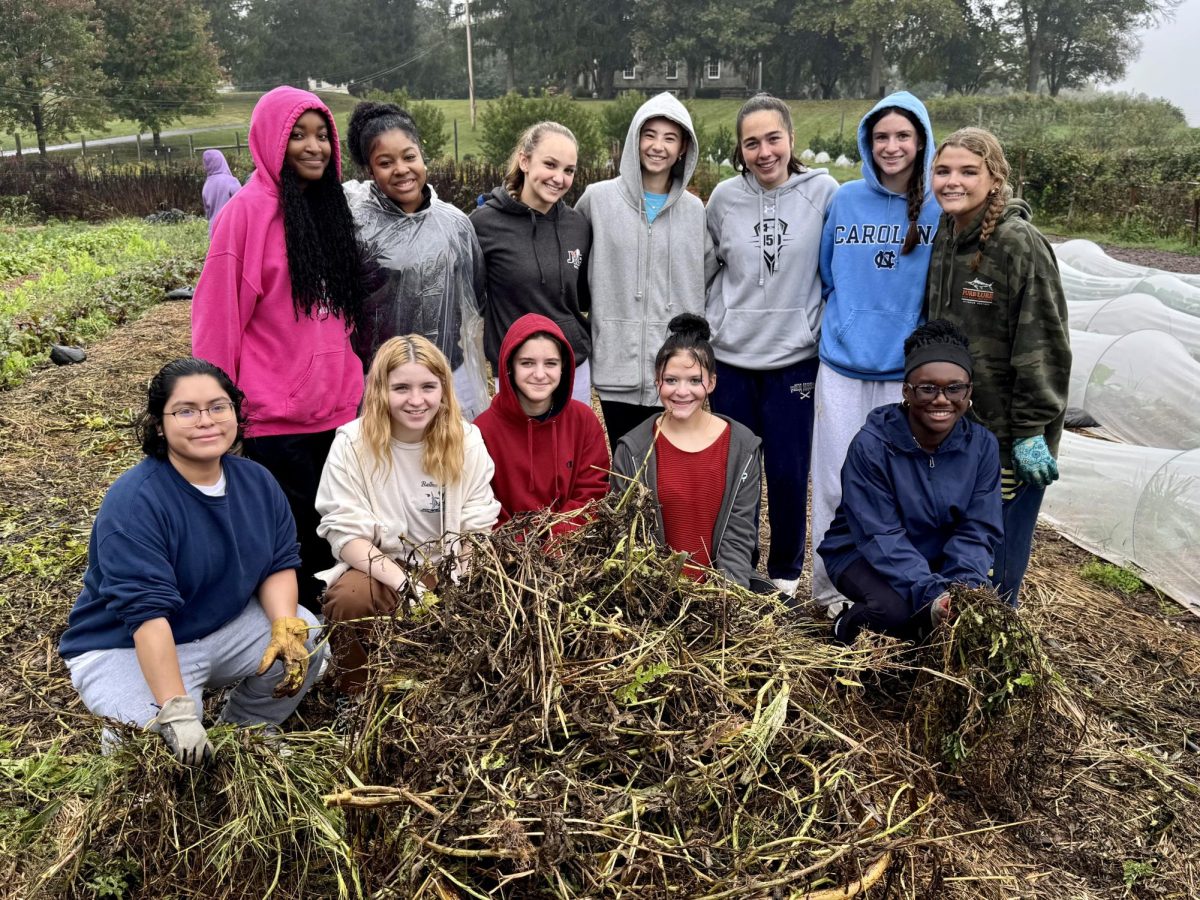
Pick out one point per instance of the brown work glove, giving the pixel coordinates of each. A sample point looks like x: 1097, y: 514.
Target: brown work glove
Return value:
x: 287, y: 645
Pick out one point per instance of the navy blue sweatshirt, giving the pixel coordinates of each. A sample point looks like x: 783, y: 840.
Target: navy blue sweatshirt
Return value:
x: 921, y: 520
x: 161, y: 548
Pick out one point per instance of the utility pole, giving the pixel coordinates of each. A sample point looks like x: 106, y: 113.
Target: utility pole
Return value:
x: 470, y: 64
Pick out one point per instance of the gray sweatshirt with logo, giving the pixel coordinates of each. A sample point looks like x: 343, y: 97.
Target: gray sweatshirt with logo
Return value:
x: 764, y: 305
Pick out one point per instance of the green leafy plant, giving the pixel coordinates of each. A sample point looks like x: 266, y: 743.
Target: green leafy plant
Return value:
x: 1107, y: 575
x: 505, y: 119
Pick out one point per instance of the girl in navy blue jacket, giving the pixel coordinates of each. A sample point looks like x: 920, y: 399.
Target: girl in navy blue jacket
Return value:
x: 920, y: 506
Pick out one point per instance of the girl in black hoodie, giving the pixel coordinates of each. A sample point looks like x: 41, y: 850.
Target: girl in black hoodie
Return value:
x: 536, y: 247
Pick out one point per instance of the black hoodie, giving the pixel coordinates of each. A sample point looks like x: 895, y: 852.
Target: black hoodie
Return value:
x: 535, y: 264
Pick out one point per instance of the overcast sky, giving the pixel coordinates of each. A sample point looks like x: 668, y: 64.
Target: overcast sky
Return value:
x: 1167, y: 65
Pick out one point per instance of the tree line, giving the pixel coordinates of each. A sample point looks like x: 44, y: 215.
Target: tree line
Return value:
x: 67, y: 64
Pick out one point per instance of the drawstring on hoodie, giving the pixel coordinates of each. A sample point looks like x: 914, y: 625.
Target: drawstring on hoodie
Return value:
x: 562, y: 283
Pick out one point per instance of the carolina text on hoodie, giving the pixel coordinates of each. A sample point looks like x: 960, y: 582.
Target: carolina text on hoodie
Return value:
x: 874, y: 294
x: 299, y: 373
x: 764, y: 305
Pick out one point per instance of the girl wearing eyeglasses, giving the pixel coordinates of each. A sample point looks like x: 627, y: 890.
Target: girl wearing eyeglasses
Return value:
x: 191, y: 577
x: 920, y: 506
x: 995, y: 275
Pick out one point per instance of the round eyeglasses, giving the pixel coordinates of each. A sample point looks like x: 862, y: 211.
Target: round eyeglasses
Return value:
x: 221, y: 411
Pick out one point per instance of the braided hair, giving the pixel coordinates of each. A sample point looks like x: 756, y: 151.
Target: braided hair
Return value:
x: 916, y: 178
x: 986, y: 146
x: 322, y: 253
x: 764, y: 102
x: 369, y: 120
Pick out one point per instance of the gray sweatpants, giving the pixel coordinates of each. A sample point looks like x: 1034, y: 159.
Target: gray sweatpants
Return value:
x: 842, y: 406
x: 111, y: 684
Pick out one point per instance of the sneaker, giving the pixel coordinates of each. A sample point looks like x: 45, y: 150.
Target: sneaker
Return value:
x: 786, y: 585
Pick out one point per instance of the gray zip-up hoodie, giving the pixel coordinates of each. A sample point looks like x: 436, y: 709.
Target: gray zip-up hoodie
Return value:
x: 642, y: 275
x: 736, y: 534
x: 764, y: 304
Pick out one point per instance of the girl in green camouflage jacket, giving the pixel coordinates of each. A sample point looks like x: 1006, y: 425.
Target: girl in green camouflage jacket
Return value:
x: 995, y: 276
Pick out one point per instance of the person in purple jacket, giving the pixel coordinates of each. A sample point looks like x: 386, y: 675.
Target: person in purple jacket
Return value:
x: 219, y: 185
x: 191, y: 577
x: 920, y: 508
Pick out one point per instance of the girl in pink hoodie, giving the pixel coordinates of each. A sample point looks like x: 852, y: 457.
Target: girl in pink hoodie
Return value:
x: 278, y: 295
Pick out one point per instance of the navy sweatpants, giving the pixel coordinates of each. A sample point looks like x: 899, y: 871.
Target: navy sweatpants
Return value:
x: 777, y: 405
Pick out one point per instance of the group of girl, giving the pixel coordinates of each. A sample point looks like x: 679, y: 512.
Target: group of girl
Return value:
x: 640, y: 292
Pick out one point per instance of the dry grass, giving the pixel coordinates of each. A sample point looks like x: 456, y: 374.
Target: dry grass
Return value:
x: 525, y: 739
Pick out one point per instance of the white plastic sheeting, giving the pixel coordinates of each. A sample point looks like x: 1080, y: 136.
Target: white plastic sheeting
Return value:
x: 1135, y: 506
x: 1140, y: 386
x: 1135, y: 312
x: 1090, y: 258
x: 1173, y: 293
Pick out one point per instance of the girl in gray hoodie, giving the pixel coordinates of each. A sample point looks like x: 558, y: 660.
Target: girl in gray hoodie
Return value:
x: 765, y: 308
x: 651, y: 259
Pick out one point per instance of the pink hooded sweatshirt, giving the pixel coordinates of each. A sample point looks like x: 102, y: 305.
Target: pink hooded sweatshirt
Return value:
x: 300, y: 376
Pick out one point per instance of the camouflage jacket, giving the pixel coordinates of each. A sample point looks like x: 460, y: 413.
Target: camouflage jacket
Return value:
x: 1015, y: 314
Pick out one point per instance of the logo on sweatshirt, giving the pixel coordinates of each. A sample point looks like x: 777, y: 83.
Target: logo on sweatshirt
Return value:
x: 885, y: 259
x: 979, y: 292
x: 575, y: 258
x: 772, y: 235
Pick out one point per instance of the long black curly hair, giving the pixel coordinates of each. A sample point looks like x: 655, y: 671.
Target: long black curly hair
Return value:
x: 321, y: 249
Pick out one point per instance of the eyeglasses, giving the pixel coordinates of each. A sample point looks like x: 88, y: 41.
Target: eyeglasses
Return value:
x: 221, y: 411
x: 927, y: 393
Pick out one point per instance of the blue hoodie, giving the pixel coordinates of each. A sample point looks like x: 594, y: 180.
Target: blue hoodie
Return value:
x: 874, y: 294
x: 922, y: 520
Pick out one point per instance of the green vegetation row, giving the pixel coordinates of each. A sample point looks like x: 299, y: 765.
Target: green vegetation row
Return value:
x: 69, y: 284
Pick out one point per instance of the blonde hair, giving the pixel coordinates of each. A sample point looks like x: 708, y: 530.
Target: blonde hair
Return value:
x: 443, y: 454
x: 514, y: 178
x: 986, y: 146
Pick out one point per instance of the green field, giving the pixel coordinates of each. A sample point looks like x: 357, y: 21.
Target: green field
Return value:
x: 232, y: 118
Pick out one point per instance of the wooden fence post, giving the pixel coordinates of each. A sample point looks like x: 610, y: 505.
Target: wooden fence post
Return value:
x: 191, y: 147
x: 138, y: 138
x: 17, y: 138
x: 456, y: 140
x: 237, y: 142
x: 83, y: 145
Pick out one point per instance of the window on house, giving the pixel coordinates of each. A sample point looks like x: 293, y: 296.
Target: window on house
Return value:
x: 629, y: 73
x: 713, y: 69
x: 671, y: 70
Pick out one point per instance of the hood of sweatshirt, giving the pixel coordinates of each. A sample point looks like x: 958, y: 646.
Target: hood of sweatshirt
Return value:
x: 216, y: 164
x: 889, y: 423
x: 506, y: 402
x: 502, y: 201
x: 906, y: 101
x: 660, y: 106
x: 271, y: 126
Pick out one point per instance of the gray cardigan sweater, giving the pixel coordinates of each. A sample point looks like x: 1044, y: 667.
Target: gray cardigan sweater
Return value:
x: 735, y: 535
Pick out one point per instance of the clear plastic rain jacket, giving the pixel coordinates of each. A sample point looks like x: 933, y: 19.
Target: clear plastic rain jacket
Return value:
x: 425, y: 274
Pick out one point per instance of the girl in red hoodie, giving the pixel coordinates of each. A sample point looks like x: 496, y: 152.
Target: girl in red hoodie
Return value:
x: 278, y: 294
x: 549, y: 449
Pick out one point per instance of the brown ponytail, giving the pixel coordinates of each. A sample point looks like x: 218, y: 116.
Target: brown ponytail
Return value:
x: 916, y: 199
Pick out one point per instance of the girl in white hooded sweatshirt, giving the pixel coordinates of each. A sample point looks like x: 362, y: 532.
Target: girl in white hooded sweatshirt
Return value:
x: 765, y: 307
x: 651, y: 259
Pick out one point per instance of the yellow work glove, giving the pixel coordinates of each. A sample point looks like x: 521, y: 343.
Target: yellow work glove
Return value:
x: 287, y: 645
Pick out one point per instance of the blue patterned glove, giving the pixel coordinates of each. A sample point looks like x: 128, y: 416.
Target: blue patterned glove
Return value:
x: 1033, y: 462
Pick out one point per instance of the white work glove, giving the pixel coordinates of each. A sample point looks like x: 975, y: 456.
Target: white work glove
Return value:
x: 178, y: 724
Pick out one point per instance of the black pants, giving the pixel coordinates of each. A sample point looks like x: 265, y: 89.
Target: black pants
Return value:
x: 622, y: 418
x: 296, y: 461
x: 875, y: 605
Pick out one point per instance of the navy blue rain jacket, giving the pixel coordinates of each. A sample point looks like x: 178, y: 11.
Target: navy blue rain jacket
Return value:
x: 921, y: 520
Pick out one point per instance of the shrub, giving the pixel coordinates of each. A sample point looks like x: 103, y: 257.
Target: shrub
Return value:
x: 845, y: 145
x: 720, y: 146
x: 615, y: 119
x: 429, y: 119
x: 504, y: 119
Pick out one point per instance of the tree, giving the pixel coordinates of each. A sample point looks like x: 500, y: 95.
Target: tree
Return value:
x: 884, y: 27
x: 968, y: 58
x: 49, y: 66
x: 159, y: 61
x: 1080, y: 39
x: 696, y: 31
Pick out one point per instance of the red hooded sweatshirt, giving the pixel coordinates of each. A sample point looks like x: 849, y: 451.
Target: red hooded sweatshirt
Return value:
x: 559, y: 463
x: 300, y: 375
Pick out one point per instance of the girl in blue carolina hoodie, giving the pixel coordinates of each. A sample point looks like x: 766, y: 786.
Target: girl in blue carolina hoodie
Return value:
x: 874, y: 259
x: 765, y: 306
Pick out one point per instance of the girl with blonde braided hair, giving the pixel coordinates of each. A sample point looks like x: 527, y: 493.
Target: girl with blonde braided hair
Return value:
x: 994, y: 275
x: 874, y: 259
